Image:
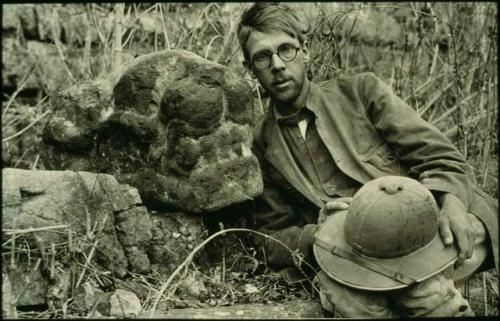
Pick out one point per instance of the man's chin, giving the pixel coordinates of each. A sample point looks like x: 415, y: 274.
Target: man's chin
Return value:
x: 285, y: 97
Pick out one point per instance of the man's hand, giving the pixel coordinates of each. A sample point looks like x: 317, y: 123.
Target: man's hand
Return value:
x: 331, y: 207
x: 454, y: 224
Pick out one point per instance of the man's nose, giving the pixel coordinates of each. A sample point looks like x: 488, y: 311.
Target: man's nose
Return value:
x: 276, y: 63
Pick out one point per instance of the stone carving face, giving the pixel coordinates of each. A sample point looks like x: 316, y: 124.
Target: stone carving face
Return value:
x: 173, y: 125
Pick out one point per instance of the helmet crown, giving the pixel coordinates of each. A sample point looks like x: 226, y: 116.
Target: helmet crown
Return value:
x: 391, y: 216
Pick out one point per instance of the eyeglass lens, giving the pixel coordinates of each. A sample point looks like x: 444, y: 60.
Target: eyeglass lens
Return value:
x: 286, y: 51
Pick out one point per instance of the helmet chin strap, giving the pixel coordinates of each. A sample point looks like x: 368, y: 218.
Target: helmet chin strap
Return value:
x: 365, y: 262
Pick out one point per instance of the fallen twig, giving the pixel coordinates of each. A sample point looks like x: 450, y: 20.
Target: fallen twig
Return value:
x: 13, y: 246
x: 36, y: 161
x: 87, y: 261
x: 27, y: 127
x: 92, y: 251
x: 18, y: 90
x: 13, y: 231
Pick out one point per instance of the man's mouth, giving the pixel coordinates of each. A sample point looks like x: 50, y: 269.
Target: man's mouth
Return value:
x: 281, y: 83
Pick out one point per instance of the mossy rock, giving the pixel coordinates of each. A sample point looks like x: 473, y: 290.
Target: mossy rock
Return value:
x: 169, y: 120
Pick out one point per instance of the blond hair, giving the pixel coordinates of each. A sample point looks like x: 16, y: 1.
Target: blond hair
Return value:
x: 264, y: 17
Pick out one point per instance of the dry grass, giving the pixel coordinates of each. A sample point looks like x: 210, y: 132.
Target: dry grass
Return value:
x: 444, y: 64
x: 241, y: 278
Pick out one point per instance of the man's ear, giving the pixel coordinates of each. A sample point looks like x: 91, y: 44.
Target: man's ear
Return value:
x: 305, y: 52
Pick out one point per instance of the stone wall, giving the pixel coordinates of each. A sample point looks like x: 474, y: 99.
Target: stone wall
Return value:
x: 64, y: 228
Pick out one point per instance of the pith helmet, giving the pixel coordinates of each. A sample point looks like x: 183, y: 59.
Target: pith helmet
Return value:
x: 386, y: 240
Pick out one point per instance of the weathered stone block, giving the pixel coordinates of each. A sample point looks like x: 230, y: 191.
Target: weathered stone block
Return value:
x: 85, y: 208
x: 124, y: 303
x: 20, y: 18
x: 52, y: 219
x: 134, y: 232
x: 28, y: 285
x: 175, y: 126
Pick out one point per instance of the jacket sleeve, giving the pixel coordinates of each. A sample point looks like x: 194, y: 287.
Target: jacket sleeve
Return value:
x: 274, y: 216
x: 429, y: 154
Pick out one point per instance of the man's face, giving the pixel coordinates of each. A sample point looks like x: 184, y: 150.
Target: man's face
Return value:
x: 283, y: 81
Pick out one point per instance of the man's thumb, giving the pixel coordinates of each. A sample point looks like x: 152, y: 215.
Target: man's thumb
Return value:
x: 445, y: 231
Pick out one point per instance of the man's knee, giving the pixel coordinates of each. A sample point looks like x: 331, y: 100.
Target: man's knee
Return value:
x: 351, y: 303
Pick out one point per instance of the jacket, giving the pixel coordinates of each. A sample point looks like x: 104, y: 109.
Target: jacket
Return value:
x: 370, y: 132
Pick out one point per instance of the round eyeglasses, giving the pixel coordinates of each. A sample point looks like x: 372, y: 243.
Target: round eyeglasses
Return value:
x: 286, y: 51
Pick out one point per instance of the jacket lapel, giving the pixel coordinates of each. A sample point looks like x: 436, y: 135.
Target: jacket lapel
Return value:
x: 332, y: 118
x: 337, y: 135
x: 279, y: 155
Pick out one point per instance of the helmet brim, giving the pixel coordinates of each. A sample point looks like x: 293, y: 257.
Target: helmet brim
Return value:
x: 419, y: 265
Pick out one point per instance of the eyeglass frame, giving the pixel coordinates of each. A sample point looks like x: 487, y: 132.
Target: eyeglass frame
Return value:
x: 275, y: 53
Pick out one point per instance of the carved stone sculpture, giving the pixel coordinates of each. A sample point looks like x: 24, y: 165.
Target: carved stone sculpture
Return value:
x: 173, y: 125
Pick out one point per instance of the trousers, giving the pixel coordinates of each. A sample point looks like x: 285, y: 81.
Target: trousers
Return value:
x: 433, y: 297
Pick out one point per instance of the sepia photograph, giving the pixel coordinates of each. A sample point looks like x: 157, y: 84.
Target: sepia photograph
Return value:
x: 250, y: 160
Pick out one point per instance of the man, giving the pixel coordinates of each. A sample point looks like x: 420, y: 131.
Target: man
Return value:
x: 318, y: 144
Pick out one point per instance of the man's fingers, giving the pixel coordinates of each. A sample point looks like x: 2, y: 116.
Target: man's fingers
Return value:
x: 347, y: 200
x: 453, y: 219
x: 445, y: 231
x: 339, y: 204
x: 335, y: 205
x: 465, y: 244
x: 465, y: 248
x: 458, y: 262
x: 322, y: 216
